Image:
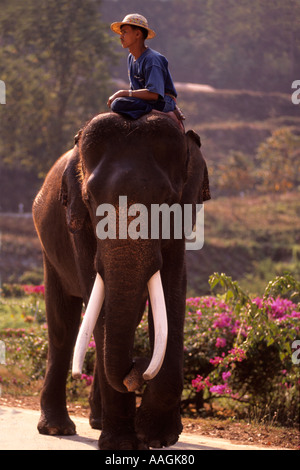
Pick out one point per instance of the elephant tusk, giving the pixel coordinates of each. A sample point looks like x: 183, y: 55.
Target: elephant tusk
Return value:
x: 158, y: 305
x: 87, y: 326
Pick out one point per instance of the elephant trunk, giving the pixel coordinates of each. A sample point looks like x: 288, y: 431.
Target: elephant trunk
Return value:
x: 132, y: 379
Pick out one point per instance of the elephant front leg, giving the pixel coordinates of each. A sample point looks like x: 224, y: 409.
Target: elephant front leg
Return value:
x: 158, y: 420
x: 63, y: 317
x: 54, y: 419
x: 118, y: 429
x: 118, y: 409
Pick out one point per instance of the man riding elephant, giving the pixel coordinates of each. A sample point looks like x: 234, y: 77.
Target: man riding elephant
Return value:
x: 147, y: 160
x: 151, y: 84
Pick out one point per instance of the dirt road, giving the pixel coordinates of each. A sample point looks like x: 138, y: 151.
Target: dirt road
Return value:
x: 18, y: 431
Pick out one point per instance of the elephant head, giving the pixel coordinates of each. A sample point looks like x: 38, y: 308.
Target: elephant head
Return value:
x: 150, y: 162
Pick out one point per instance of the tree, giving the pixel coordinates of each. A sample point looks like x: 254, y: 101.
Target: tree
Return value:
x: 279, y: 161
x: 54, y: 60
x: 235, y: 175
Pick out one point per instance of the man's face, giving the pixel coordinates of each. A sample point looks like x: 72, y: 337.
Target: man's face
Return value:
x: 129, y: 36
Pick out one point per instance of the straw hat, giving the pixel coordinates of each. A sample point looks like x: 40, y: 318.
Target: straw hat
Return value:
x: 133, y: 19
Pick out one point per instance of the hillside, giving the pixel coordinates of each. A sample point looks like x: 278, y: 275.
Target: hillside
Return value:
x: 238, y: 120
x: 250, y: 239
x: 226, y: 120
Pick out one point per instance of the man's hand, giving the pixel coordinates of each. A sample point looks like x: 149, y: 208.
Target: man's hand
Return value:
x: 118, y: 94
x: 142, y: 94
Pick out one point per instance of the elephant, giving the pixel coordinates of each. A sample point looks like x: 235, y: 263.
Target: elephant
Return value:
x: 150, y: 161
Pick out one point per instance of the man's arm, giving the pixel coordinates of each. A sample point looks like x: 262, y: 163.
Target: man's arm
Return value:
x: 141, y: 94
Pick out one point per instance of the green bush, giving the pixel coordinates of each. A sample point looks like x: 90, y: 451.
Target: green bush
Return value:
x: 242, y: 349
x: 12, y: 290
x: 25, y: 351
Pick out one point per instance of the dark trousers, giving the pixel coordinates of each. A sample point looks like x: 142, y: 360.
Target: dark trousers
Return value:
x: 135, y: 107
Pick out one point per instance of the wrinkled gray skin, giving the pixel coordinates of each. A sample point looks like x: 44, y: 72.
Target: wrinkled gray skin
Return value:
x: 150, y: 161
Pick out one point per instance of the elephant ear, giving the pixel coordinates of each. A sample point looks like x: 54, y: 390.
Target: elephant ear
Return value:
x: 196, y: 189
x: 70, y: 193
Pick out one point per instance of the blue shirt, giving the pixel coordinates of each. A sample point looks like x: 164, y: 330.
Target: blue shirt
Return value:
x: 150, y: 71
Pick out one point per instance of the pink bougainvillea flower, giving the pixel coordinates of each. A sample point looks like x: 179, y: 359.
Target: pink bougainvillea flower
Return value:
x: 221, y: 343
x: 220, y: 389
x: 34, y: 289
x: 198, y: 383
x: 88, y: 379
x: 226, y: 375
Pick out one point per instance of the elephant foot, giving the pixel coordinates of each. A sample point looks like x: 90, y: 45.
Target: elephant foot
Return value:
x: 95, y: 423
x: 111, y: 441
x: 55, y: 424
x: 158, y: 430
